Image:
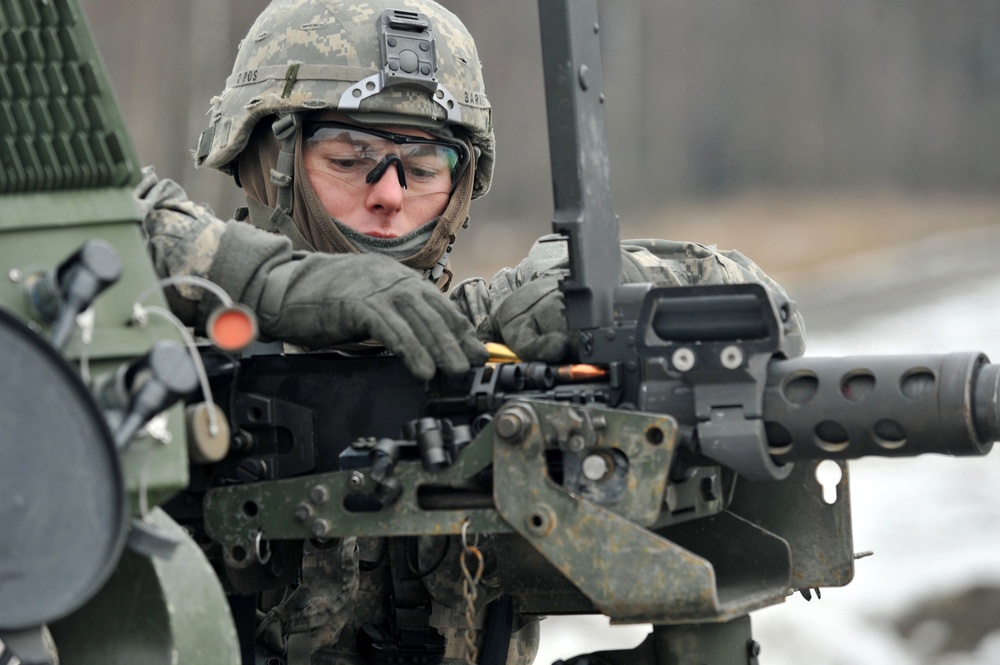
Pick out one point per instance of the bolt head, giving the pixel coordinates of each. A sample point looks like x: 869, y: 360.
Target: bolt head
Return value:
x: 303, y: 512
x: 541, y: 520
x: 576, y: 443
x: 596, y: 467
x: 731, y: 357
x: 512, y: 425
x: 319, y: 494
x: 320, y: 528
x: 683, y: 359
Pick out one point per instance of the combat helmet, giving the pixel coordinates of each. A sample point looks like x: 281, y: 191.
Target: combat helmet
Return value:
x: 404, y: 62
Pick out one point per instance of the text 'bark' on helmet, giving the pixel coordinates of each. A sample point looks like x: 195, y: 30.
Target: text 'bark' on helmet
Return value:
x: 382, y: 62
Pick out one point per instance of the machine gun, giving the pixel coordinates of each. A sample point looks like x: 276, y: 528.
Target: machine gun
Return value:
x: 717, y: 502
x: 669, y: 477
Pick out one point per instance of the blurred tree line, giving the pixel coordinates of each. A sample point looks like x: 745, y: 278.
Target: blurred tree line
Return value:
x: 705, y: 99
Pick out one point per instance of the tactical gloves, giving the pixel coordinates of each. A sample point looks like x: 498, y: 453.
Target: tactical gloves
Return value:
x: 531, y: 321
x: 523, y: 307
x: 312, y: 300
x: 318, y: 300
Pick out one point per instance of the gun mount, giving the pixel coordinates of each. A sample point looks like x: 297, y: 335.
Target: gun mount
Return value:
x: 683, y: 497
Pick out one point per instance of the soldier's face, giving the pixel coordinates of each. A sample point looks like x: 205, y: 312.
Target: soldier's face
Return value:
x: 381, y: 209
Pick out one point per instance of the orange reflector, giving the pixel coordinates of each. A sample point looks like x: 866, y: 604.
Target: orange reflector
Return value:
x: 232, y: 329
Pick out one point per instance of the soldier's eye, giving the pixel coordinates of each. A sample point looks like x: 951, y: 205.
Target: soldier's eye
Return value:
x: 423, y: 172
x: 349, y: 164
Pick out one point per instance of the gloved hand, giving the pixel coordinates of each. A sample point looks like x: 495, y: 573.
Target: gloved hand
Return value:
x: 151, y: 192
x: 317, y: 300
x: 531, y: 321
x: 182, y: 238
x: 313, y: 300
x: 165, y: 196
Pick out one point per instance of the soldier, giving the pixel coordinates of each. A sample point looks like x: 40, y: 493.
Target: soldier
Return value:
x: 361, y: 132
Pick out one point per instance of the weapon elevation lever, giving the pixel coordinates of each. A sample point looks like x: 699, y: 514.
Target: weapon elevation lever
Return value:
x: 581, y: 172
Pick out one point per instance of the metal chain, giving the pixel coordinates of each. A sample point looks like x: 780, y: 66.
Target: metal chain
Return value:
x: 470, y: 590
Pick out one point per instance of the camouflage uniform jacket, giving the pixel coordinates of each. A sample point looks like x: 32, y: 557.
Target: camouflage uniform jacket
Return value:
x: 660, y: 262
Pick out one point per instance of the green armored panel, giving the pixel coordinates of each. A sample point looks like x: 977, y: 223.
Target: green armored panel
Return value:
x: 67, y: 168
x: 60, y: 128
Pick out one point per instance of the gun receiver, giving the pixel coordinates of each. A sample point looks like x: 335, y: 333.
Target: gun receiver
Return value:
x: 684, y: 445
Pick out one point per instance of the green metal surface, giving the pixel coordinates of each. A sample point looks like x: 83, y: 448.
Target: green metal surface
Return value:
x: 67, y: 208
x: 235, y: 515
x: 647, y: 440
x: 27, y: 251
x: 60, y: 127
x: 633, y: 570
x: 67, y: 167
x: 636, y: 575
x: 818, y: 533
x: 115, y: 340
x: 153, y: 611
x: 727, y: 643
x: 711, y: 569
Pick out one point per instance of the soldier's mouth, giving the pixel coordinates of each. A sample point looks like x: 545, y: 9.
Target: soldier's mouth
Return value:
x: 381, y: 234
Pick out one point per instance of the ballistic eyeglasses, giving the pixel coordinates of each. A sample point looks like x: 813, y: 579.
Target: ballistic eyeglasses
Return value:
x: 361, y: 156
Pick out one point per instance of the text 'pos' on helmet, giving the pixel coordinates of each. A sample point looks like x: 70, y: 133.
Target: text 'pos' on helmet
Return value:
x: 396, y: 62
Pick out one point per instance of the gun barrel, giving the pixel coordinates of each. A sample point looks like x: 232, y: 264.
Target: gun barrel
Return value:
x: 888, y: 406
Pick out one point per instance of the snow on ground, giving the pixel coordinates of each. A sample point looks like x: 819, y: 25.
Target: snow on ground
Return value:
x: 933, y: 521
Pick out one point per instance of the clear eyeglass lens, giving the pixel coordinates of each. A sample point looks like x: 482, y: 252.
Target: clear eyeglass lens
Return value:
x: 350, y: 154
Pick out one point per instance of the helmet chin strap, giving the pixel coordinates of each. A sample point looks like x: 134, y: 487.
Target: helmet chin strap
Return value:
x: 285, y: 130
x: 434, y: 274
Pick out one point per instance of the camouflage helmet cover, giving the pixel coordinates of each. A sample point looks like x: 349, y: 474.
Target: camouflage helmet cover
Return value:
x: 303, y: 55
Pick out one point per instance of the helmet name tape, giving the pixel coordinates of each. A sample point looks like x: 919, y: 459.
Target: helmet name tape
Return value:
x: 408, y: 58
x: 265, y: 75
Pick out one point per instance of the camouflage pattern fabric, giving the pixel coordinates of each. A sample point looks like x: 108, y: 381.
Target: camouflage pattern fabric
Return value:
x: 182, y: 237
x: 440, y: 582
x: 302, y: 55
x: 661, y: 262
